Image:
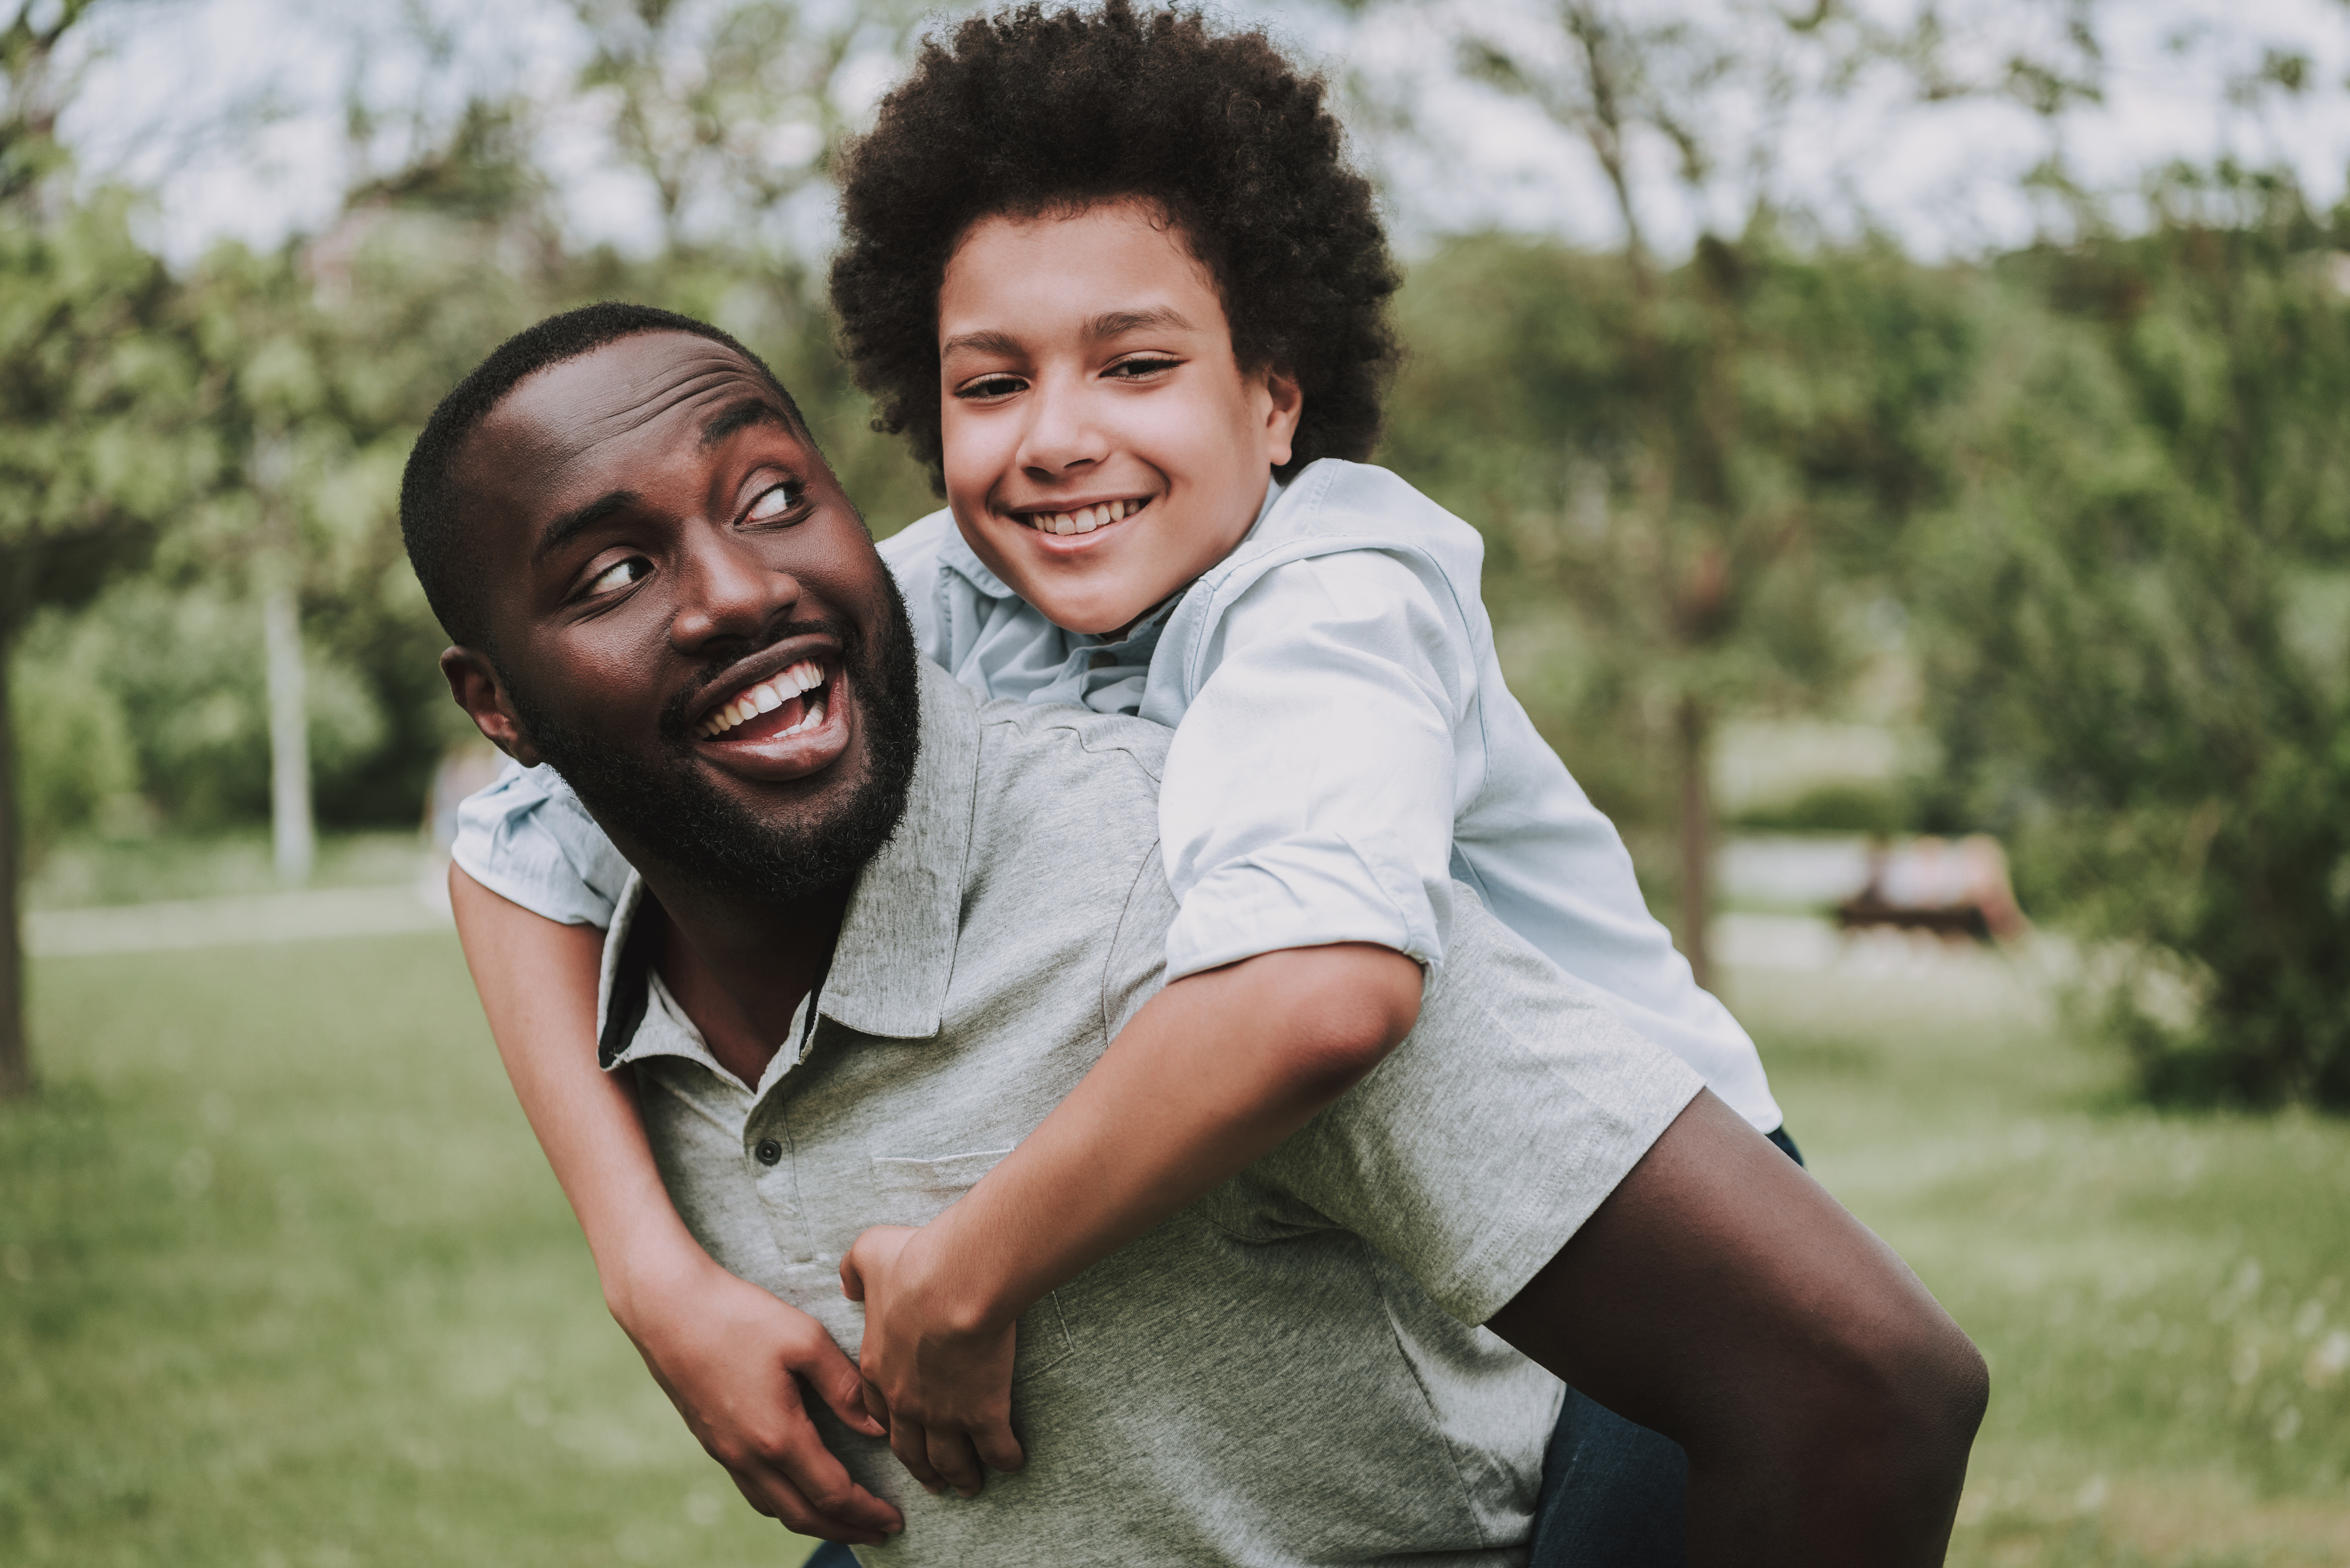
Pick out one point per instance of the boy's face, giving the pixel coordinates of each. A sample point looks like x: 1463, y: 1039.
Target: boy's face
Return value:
x: 1103, y: 446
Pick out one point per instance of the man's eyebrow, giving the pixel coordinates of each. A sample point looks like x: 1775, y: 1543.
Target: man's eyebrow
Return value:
x: 742, y: 415
x: 578, y: 521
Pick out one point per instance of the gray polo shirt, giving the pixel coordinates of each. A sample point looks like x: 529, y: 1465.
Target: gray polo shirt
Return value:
x: 1288, y: 1372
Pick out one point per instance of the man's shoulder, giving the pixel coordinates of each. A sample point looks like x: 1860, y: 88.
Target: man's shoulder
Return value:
x: 1104, y: 746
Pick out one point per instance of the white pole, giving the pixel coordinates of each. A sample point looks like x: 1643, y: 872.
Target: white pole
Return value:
x: 292, y: 830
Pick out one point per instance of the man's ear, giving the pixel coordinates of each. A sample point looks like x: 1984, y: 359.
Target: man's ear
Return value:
x: 1285, y: 403
x: 474, y: 683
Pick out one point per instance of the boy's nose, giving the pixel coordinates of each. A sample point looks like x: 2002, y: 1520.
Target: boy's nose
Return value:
x: 1062, y: 435
x: 729, y: 590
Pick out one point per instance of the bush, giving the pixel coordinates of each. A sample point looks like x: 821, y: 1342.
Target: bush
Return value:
x: 2141, y: 665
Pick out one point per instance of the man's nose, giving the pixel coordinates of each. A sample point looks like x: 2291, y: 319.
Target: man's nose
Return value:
x: 1062, y: 434
x: 729, y: 589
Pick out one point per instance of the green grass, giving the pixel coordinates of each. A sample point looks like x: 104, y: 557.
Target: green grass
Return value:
x: 2162, y: 1297
x: 284, y: 1284
x: 86, y: 871
x: 283, y: 1281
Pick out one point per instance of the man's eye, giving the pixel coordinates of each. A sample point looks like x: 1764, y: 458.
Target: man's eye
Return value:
x: 773, y: 503
x: 620, y: 575
x: 989, y: 387
x: 1135, y: 370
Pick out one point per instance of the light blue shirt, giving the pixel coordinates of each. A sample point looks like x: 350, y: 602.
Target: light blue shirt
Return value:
x: 1345, y: 747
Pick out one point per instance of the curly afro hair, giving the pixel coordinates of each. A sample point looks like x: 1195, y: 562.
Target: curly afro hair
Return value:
x: 1029, y: 111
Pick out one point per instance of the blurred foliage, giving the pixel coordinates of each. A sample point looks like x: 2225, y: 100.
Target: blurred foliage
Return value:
x: 1729, y: 554
x: 2108, y: 482
x: 2090, y: 499
x: 301, y: 377
x: 2141, y: 612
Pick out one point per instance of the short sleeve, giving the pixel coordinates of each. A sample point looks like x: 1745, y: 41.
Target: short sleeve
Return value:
x: 1310, y: 788
x: 526, y: 838
x: 1478, y: 1148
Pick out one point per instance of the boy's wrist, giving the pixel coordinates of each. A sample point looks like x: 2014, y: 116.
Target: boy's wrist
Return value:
x: 645, y: 1278
x: 962, y: 1286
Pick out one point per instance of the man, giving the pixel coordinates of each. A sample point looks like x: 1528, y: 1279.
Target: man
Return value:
x: 942, y: 914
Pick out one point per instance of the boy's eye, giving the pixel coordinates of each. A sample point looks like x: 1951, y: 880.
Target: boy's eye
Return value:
x: 620, y: 575
x: 773, y: 503
x: 989, y: 387
x: 1135, y: 370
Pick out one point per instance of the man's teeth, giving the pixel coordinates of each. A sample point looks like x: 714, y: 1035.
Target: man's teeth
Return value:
x: 1083, y: 519
x: 766, y: 697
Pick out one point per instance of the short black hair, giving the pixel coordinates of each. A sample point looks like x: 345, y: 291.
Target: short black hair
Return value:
x: 431, y: 514
x: 1027, y: 111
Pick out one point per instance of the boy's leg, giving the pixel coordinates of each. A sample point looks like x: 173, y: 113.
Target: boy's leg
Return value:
x: 1613, y: 1492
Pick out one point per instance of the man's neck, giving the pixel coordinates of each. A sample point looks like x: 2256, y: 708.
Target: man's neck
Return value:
x: 740, y: 967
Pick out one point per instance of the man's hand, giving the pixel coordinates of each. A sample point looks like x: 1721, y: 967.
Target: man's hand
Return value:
x: 944, y: 1384
x: 734, y: 1361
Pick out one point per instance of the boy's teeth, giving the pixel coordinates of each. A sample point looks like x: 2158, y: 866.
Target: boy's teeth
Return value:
x: 1083, y: 519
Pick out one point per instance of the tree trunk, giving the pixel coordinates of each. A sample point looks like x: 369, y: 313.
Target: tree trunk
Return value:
x: 291, y: 828
x: 16, y: 1049
x: 1697, y: 838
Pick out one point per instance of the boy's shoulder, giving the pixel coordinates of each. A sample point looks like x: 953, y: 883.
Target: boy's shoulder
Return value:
x: 1333, y: 506
x: 913, y: 551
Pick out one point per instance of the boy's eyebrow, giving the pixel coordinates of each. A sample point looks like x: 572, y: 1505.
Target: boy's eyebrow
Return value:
x: 987, y: 341
x: 1113, y: 323
x: 1108, y: 324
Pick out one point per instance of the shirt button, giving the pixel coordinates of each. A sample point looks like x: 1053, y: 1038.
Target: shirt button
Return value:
x: 768, y: 1151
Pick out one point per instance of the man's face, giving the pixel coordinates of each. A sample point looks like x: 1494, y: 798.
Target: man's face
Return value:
x: 690, y: 622
x: 1103, y: 447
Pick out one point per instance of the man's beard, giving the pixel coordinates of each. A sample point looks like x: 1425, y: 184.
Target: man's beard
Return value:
x: 666, y: 808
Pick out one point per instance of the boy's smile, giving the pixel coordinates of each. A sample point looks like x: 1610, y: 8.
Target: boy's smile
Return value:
x: 1103, y: 446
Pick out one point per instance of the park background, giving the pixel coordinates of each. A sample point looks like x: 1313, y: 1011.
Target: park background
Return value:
x: 1885, y: 420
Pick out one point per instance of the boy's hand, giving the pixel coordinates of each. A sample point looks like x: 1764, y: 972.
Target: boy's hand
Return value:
x: 943, y: 1385
x: 734, y: 1361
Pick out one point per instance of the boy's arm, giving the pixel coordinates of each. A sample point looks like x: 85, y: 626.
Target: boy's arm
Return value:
x: 724, y: 1351
x: 1209, y: 1076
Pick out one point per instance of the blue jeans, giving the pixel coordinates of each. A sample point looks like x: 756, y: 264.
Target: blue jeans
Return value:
x: 1613, y: 1492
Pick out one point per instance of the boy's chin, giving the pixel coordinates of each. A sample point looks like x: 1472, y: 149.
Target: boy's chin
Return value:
x: 1090, y: 615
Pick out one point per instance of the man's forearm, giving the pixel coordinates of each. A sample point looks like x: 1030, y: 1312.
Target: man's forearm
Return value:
x: 1208, y: 1077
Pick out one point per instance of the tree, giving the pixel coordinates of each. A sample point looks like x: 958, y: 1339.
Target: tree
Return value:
x: 96, y: 387
x: 2139, y: 616
x: 1708, y: 467
x: 1736, y: 452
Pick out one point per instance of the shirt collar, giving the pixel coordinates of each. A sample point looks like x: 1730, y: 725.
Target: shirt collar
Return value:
x: 896, y: 951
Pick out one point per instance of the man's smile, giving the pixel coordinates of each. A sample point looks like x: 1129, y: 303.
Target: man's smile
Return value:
x: 782, y: 714
x: 781, y: 705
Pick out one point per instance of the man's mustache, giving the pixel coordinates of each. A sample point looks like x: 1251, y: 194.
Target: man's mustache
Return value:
x: 677, y: 712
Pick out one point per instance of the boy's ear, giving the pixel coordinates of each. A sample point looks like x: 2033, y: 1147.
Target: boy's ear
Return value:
x: 1285, y: 403
x: 474, y: 683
